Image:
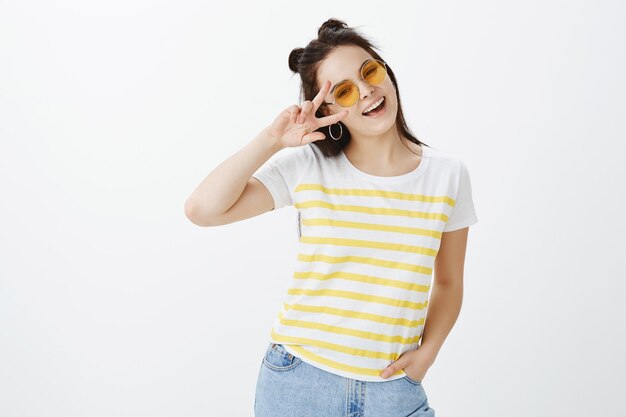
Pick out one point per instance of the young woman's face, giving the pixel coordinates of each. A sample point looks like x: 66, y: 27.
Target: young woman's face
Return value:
x: 344, y: 63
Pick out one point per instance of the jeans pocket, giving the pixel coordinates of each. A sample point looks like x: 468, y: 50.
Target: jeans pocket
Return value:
x: 278, y: 359
x: 411, y: 380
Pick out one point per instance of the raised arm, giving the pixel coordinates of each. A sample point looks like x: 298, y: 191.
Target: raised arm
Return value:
x: 213, y: 202
x: 230, y: 193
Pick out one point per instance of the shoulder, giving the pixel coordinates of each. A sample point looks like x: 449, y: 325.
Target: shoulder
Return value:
x: 444, y: 162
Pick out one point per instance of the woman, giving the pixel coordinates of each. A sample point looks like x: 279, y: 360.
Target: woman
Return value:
x: 377, y: 211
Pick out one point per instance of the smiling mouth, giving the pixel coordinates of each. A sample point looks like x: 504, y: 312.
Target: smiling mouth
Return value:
x: 378, y: 109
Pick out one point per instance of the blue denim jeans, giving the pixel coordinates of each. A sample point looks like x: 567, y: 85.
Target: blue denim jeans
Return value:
x: 289, y: 387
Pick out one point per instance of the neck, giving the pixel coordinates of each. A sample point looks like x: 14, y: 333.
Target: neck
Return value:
x: 383, y: 150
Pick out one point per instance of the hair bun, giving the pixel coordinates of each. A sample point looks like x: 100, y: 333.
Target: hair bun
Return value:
x: 332, y: 24
x: 294, y: 58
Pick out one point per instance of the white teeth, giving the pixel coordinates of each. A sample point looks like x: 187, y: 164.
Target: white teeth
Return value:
x: 373, y: 106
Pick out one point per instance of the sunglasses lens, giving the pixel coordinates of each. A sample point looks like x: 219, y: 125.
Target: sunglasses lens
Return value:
x: 374, y: 72
x: 346, y: 94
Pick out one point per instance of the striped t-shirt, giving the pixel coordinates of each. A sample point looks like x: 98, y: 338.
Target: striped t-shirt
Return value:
x: 367, y: 245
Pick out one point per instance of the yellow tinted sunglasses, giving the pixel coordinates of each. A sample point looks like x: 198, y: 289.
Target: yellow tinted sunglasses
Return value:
x: 346, y: 92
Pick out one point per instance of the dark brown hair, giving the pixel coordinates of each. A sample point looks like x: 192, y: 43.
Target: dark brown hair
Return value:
x: 306, y: 61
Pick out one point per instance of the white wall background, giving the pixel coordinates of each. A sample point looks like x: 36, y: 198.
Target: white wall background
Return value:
x: 112, y: 303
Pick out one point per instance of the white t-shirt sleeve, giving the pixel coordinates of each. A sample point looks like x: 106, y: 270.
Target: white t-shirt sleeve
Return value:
x: 463, y: 213
x: 280, y: 174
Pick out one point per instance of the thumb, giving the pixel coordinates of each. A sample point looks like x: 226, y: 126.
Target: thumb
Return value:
x: 312, y: 137
x: 393, y: 368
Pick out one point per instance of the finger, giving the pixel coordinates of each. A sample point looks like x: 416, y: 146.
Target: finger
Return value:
x: 333, y: 118
x: 319, y: 97
x: 393, y: 368
x: 293, y: 108
x: 310, y: 108
x: 306, y: 108
x: 293, y: 113
x: 390, y: 370
x: 312, y: 137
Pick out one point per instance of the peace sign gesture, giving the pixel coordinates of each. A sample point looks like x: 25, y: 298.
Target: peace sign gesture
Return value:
x: 296, y: 125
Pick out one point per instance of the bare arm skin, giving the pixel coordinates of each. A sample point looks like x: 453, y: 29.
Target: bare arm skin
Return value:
x: 447, y: 293
x: 212, y: 203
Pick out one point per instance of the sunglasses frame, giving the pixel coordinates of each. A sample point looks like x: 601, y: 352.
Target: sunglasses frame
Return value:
x: 332, y: 91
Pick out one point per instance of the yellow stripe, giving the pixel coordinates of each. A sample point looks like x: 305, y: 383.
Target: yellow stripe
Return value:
x: 368, y: 244
x: 410, y: 286
x: 358, y: 296
x: 392, y: 321
x: 376, y: 193
x: 333, y: 346
x: 366, y: 260
x: 339, y: 348
x: 347, y: 331
x: 379, y: 337
x: 372, y: 210
x: 371, y: 226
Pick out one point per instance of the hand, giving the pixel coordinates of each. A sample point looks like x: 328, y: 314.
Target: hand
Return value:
x: 414, y: 363
x: 296, y: 125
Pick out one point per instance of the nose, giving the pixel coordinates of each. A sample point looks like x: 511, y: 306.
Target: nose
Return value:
x: 365, y: 90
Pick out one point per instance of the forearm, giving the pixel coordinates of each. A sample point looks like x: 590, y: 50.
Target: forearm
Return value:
x: 226, y: 182
x: 443, y: 310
